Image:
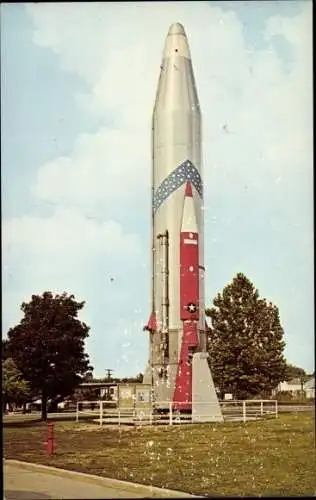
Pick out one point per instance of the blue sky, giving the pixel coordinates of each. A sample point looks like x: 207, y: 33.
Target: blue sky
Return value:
x: 78, y: 84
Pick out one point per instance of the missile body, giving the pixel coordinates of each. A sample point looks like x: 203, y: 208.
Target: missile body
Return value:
x: 177, y: 326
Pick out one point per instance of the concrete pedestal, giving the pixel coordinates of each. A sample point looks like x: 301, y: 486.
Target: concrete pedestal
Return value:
x: 205, y: 405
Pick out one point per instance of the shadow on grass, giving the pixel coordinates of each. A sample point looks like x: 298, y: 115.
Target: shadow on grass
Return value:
x: 23, y: 423
x: 29, y: 422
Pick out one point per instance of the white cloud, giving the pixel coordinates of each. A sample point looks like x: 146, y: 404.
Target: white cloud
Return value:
x: 59, y: 253
x: 69, y: 252
x: 67, y: 235
x: 118, y: 52
x: 105, y: 167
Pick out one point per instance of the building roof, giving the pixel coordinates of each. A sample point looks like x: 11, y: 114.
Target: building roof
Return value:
x: 97, y: 384
x: 294, y: 381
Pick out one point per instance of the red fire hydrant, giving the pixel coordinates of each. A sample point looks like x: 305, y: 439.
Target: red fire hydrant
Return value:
x: 50, y: 444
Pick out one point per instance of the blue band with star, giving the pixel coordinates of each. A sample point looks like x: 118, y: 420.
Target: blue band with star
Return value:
x: 186, y: 172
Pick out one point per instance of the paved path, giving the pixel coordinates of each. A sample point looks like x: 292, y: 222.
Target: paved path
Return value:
x: 23, y: 481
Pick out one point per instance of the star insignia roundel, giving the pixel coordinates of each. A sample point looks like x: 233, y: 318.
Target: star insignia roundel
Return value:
x: 191, y: 307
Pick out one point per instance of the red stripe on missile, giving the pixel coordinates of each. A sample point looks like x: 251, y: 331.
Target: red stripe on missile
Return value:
x: 189, y: 300
x: 189, y: 260
x: 189, y: 276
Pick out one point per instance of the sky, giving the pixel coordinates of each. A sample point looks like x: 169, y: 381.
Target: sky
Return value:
x: 78, y: 83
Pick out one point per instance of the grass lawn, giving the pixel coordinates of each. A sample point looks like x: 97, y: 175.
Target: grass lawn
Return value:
x: 270, y: 457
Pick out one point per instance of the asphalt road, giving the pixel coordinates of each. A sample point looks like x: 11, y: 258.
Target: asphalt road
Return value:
x: 33, y: 482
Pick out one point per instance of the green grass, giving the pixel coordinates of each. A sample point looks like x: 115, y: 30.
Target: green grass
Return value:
x: 269, y: 457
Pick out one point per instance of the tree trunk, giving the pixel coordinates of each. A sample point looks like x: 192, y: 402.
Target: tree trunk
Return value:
x: 44, y: 407
x: 53, y: 407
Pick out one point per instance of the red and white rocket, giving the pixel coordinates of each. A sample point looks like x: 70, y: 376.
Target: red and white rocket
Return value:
x: 178, y: 368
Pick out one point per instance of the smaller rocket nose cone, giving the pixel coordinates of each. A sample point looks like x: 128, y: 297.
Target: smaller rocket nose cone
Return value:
x: 176, y: 29
x: 188, y: 189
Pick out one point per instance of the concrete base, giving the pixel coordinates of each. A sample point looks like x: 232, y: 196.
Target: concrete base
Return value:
x: 205, y: 405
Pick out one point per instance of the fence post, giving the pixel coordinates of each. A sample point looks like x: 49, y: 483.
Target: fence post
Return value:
x: 261, y: 408
x: 244, y: 411
x: 170, y: 413
x: 101, y: 412
x: 77, y: 412
x: 276, y: 408
x: 119, y: 416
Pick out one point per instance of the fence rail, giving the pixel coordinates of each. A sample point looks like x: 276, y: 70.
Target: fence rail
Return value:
x: 103, y: 413
x: 249, y: 408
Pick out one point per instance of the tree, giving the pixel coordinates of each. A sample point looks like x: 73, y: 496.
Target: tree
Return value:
x: 140, y: 377
x: 48, y: 345
x: 293, y: 371
x: 132, y: 380
x: 245, y: 341
x: 88, y: 376
x: 5, y: 354
x: 14, y: 388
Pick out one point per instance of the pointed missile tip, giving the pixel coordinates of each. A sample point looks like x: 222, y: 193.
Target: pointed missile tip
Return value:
x: 176, y: 43
x: 188, y: 189
x: 176, y: 29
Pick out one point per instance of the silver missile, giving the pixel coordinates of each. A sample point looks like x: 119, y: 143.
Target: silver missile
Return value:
x: 176, y: 154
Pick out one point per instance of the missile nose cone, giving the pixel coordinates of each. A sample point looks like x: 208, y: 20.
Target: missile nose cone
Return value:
x: 189, y: 223
x: 188, y: 189
x: 176, y: 29
x: 176, y: 43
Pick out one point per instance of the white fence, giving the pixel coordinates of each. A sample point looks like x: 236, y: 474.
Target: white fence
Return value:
x: 249, y: 409
x: 235, y: 410
x: 239, y: 410
x: 103, y: 412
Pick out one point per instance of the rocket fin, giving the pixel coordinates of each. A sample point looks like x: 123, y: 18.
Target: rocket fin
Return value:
x: 152, y: 323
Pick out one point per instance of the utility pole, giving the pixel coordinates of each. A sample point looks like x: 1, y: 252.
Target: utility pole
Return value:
x: 109, y: 373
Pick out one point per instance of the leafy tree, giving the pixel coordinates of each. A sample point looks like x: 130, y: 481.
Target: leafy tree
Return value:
x: 88, y: 377
x: 245, y: 341
x: 140, y: 377
x: 14, y: 388
x: 132, y: 380
x: 5, y: 354
x: 293, y: 371
x: 48, y: 345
